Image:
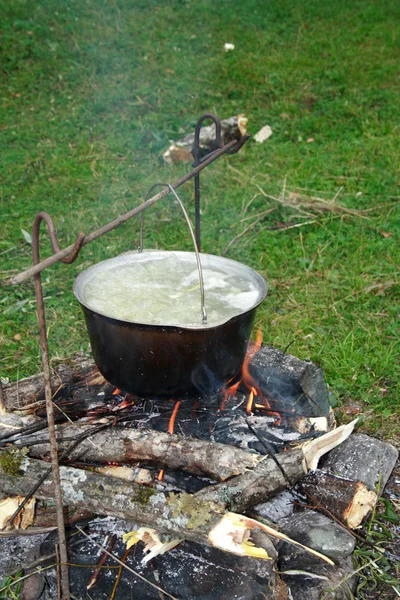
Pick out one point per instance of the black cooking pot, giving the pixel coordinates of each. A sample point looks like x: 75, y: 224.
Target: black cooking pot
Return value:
x: 169, y: 360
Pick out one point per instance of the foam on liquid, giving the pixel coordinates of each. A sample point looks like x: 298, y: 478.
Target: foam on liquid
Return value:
x: 166, y: 291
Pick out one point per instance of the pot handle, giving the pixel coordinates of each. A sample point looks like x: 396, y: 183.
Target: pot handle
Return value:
x: 200, y: 270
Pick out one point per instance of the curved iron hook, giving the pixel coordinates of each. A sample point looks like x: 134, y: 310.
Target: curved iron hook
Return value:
x: 196, y: 144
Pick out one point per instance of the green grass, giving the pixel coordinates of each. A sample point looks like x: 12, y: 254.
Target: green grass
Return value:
x: 91, y: 94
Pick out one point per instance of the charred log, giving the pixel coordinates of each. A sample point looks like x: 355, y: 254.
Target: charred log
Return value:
x: 80, y: 372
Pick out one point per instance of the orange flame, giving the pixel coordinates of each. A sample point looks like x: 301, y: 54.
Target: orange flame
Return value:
x: 249, y: 405
x: 251, y: 384
x: 171, y: 426
x: 172, y: 419
x: 116, y: 392
x: 231, y: 391
x: 126, y: 403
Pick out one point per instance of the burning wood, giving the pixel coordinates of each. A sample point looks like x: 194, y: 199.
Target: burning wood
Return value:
x: 248, y: 478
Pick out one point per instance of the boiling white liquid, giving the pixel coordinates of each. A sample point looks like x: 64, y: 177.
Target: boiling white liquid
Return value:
x: 167, y: 292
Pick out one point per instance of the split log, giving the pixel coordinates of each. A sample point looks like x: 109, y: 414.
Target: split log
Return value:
x: 364, y: 458
x: 347, y: 500
x: 181, y: 515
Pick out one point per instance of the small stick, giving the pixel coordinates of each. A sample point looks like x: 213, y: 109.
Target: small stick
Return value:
x: 26, y: 532
x: 58, y: 572
x: 246, y: 229
x: 2, y: 405
x: 110, y: 543
x: 117, y: 580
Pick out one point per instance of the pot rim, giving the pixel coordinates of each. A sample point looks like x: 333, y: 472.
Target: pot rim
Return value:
x: 207, y: 260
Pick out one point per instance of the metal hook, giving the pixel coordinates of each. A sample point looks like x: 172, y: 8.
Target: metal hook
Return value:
x: 197, y: 161
x: 44, y: 216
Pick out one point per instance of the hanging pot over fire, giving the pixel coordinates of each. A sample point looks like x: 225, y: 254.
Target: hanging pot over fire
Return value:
x: 165, y: 323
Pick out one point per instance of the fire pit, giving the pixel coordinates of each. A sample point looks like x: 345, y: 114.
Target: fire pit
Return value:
x: 182, y: 449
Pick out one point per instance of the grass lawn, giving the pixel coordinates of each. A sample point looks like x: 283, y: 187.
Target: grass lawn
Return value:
x: 91, y: 93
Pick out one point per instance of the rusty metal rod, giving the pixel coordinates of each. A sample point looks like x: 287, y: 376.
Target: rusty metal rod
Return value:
x: 65, y: 590
x: 232, y: 146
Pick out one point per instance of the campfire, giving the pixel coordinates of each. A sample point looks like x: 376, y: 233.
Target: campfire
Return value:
x: 238, y: 486
x: 204, y: 491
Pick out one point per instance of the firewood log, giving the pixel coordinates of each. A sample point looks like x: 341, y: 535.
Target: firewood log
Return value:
x: 261, y: 476
x: 181, y: 515
x: 350, y: 501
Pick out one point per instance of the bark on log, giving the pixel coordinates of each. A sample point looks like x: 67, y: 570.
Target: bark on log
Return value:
x: 350, y: 501
x: 181, y: 515
x: 258, y: 482
x: 128, y: 446
x: 258, y: 485
x: 105, y: 495
x: 251, y: 482
x: 218, y: 461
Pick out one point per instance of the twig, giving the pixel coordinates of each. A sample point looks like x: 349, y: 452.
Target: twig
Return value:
x: 58, y: 572
x: 2, y: 404
x: 117, y: 580
x: 110, y: 541
x: 26, y: 532
x: 286, y: 227
x: 126, y: 566
x: 22, y: 431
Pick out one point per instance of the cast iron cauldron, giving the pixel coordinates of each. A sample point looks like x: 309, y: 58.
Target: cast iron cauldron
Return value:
x: 169, y: 361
